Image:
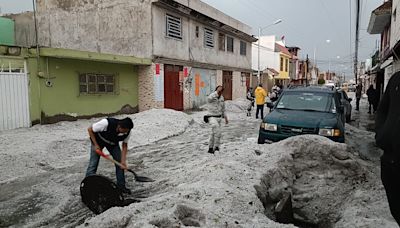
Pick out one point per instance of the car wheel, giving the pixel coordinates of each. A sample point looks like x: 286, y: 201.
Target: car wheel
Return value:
x: 261, y: 140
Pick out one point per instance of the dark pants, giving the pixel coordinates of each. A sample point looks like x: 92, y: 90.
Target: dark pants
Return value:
x: 390, y: 175
x: 115, y: 151
x: 373, y: 105
x: 358, y: 103
x: 260, y: 108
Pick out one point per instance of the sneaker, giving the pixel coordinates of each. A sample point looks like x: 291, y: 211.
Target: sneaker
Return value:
x: 211, y: 151
x: 216, y: 148
x: 125, y: 190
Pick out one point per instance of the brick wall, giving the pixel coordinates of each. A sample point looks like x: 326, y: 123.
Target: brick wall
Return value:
x: 146, y: 89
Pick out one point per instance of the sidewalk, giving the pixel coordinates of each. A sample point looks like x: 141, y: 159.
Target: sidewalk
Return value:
x: 361, y: 119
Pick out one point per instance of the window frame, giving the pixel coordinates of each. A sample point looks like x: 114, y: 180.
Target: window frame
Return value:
x: 168, y: 34
x: 221, y: 42
x: 88, y: 83
x: 227, y: 44
x: 243, y: 48
x: 286, y: 65
x: 282, y: 64
x: 209, y: 41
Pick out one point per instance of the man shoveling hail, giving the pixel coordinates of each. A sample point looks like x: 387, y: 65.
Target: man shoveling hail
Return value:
x: 107, y: 133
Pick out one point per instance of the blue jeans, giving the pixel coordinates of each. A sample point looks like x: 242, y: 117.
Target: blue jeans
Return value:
x: 115, y: 151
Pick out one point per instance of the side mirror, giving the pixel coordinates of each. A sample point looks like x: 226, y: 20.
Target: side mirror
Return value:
x: 270, y: 105
x: 350, y: 99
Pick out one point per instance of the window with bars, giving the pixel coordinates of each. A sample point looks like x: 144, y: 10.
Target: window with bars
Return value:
x: 229, y: 44
x: 174, y: 27
x: 96, y: 84
x: 208, y: 38
x: 243, y: 48
x: 221, y: 41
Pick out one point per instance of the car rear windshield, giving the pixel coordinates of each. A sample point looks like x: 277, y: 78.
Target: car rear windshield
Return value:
x: 308, y: 101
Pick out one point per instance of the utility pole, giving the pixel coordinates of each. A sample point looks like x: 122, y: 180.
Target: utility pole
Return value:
x: 306, y: 70
x: 357, y: 41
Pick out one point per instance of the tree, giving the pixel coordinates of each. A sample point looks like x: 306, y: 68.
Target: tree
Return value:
x: 321, y: 81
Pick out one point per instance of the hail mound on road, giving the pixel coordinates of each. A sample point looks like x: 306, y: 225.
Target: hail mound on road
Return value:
x: 319, y: 178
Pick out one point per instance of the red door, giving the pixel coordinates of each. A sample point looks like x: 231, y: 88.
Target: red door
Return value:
x: 227, y: 84
x: 173, y: 93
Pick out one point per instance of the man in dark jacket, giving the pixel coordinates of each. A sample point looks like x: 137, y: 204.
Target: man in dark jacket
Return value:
x: 372, y: 98
x: 107, y: 133
x: 387, y: 137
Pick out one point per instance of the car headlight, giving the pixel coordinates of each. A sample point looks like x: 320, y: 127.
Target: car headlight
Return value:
x: 269, y: 127
x: 329, y: 132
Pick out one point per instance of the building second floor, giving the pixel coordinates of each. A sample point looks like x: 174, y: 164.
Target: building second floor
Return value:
x: 188, y: 31
x: 380, y: 24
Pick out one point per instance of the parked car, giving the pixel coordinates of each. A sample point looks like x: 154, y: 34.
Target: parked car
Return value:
x: 346, y: 102
x: 308, y: 110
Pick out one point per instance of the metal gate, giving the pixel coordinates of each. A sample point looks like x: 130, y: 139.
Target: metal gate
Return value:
x: 14, y: 101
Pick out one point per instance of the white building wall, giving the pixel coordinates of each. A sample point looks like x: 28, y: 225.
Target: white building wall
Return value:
x: 179, y: 49
x: 268, y: 58
x: 238, y: 86
x: 395, y: 24
x: 119, y: 27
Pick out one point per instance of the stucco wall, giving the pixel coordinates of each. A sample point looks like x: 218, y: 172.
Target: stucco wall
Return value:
x: 63, y: 97
x: 179, y: 49
x: 395, y: 25
x: 238, y: 87
x: 203, y: 84
x: 24, y: 29
x: 215, y: 14
x: 219, y: 77
x: 109, y: 26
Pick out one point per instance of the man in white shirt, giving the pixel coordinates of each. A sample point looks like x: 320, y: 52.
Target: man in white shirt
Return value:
x: 216, y: 111
x: 107, y: 133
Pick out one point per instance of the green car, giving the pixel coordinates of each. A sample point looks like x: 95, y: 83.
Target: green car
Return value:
x: 306, y: 110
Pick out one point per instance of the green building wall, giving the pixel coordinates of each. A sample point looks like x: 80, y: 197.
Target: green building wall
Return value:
x: 62, y: 100
x: 7, y: 32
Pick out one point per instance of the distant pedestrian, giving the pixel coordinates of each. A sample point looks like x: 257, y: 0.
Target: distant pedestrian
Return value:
x: 274, y: 95
x: 216, y: 111
x: 372, y: 99
x: 250, y: 98
x: 358, y: 96
x: 107, y: 133
x: 387, y: 138
x: 260, y: 95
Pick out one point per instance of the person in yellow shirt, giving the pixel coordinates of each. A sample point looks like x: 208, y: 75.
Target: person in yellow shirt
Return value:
x: 260, y: 95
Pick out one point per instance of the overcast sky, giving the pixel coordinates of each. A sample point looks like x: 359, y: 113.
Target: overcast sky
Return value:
x: 306, y: 24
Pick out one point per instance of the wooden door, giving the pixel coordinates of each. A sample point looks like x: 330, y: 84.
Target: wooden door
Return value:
x: 227, y: 84
x: 173, y: 91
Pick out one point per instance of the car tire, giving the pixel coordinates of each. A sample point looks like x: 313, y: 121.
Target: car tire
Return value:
x: 261, y: 140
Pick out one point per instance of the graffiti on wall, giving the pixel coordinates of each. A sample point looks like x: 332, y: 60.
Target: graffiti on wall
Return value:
x: 204, y: 84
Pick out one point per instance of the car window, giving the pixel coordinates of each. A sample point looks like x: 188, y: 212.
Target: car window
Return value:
x: 321, y: 102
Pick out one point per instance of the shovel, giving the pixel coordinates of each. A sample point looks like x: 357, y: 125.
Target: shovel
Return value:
x: 137, y: 177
